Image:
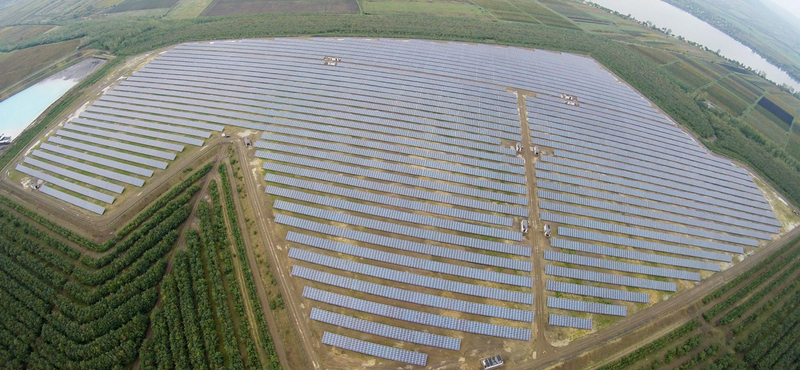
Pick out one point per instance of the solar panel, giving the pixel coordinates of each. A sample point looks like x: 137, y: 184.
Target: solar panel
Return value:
x: 390, y: 177
x: 135, y: 181
x: 395, y: 189
x: 74, y: 175
x: 78, y: 202
x: 107, y: 152
x: 620, y: 266
x: 372, y: 349
x: 99, y: 160
x: 390, y: 201
x: 624, y: 253
x: 409, y: 278
x: 402, y: 244
x: 94, y: 194
x: 117, y: 136
x: 570, y: 322
x: 155, y: 118
x: 117, y: 145
x: 601, y: 277
x: 394, y: 214
x: 418, y: 317
x: 402, y: 229
x: 597, y: 292
x: 138, y: 131
x: 388, y: 331
x: 393, y: 167
x: 407, y: 261
x: 155, y: 126
x: 591, y: 307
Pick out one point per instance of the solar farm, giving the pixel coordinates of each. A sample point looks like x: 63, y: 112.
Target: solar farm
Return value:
x: 411, y: 182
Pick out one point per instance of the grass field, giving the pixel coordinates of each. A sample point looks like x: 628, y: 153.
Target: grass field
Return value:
x: 129, y: 5
x: 542, y: 13
x: 688, y: 75
x: 444, y: 8
x: 732, y: 84
x: 504, y: 10
x: 18, y: 65
x: 228, y: 7
x: 727, y: 100
x: 185, y: 9
x: 21, y: 33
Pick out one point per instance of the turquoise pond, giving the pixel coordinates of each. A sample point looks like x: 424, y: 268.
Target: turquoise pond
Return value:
x: 20, y: 110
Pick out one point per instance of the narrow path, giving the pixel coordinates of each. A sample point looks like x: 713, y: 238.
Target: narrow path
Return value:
x: 534, y: 237
x: 280, y: 272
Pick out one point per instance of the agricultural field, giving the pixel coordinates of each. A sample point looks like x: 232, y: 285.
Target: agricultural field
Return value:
x: 228, y: 7
x: 133, y: 5
x: 19, y: 65
x: 443, y: 8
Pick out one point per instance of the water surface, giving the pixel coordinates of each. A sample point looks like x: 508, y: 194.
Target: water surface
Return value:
x: 681, y: 23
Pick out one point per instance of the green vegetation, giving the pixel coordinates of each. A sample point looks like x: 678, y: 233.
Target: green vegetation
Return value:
x: 20, y: 64
x: 129, y: 5
x: 652, y: 348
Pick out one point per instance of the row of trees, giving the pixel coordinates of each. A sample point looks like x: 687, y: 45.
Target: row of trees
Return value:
x: 266, y: 338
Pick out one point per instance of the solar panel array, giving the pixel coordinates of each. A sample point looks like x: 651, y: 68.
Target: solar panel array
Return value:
x: 418, y: 317
x: 411, y: 296
x: 590, y: 307
x: 570, y: 322
x: 372, y: 349
x: 406, y: 335
x: 409, y: 147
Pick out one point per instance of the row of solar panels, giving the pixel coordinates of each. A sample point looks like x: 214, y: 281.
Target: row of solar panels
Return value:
x: 667, y: 181
x: 411, y: 296
x: 389, y: 201
x: 631, y: 151
x: 206, y: 116
x: 390, y: 188
x: 402, y: 244
x: 633, y: 255
x: 372, y: 349
x: 671, y: 238
x: 394, y: 167
x: 178, y: 72
x: 670, y: 200
x: 554, y: 109
x: 586, y: 193
x: 430, y: 150
x: 642, y: 244
x: 389, y: 177
x: 259, y: 122
x: 388, y: 331
x: 570, y: 322
x: 178, y: 129
x: 138, y: 131
x: 345, y: 95
x: 308, y: 104
x: 601, y: 277
x: 575, y: 259
x: 399, y: 158
x: 409, y: 278
x: 407, y: 84
x: 534, y: 76
x: 590, y: 307
x: 455, y: 69
x: 394, y: 228
x: 412, y: 262
x: 663, y: 216
x: 393, y: 214
x: 189, y: 126
x: 417, y: 317
x: 312, y: 108
x: 645, y: 222
x: 263, y: 115
x: 608, y: 175
x: 597, y: 292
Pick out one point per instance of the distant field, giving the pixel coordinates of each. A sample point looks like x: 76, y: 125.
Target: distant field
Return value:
x: 18, y: 65
x: 129, y: 5
x: 732, y: 84
x: 503, y: 10
x: 228, y: 7
x: 687, y: 75
x: 21, y: 33
x: 444, y: 8
x: 654, y: 55
x: 185, y: 9
x: 782, y: 115
x: 726, y: 99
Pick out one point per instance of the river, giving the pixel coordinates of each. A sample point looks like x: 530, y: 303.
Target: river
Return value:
x: 20, y: 110
x: 681, y: 23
